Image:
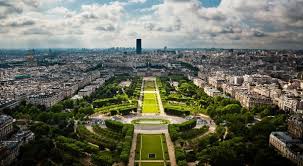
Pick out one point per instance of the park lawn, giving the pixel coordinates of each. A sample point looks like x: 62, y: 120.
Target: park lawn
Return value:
x: 149, y: 85
x: 152, y: 164
x: 151, y: 144
x: 150, y: 103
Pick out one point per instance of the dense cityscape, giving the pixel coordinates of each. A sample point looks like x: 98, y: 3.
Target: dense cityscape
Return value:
x: 151, y: 83
x: 45, y: 91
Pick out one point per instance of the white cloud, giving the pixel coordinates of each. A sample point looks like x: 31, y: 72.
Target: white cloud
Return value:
x: 136, y: 1
x: 175, y: 23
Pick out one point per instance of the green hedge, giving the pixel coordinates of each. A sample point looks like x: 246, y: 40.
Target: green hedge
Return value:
x: 114, y: 125
x: 103, y: 159
x: 187, y: 125
x: 128, y: 131
x: 107, y: 133
x: 103, y: 102
x: 177, y: 112
x: 123, y: 109
x: 175, y: 130
x: 99, y: 140
x: 73, y: 146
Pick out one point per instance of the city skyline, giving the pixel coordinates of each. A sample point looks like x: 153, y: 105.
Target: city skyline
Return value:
x: 172, y: 23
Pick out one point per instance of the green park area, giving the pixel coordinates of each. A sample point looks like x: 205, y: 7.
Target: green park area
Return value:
x: 150, y: 103
x: 149, y: 85
x: 151, y: 147
x: 153, y: 164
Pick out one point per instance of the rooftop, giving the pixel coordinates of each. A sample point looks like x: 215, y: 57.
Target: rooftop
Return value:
x: 4, y: 119
x: 284, y: 137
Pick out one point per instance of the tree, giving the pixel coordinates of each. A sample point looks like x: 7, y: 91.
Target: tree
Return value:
x: 114, y: 125
x: 187, y: 89
x: 180, y: 154
x: 57, y: 107
x: 187, y: 125
x: 102, y: 159
x: 182, y: 163
x: 232, y: 108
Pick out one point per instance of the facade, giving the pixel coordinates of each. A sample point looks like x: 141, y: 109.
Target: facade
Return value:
x: 9, y: 151
x: 257, y: 78
x: 138, y: 46
x: 290, y: 144
x: 250, y: 100
x: 47, y: 100
x: 287, y: 104
x: 287, y: 146
x: 268, y: 90
x: 216, y: 82
x: 232, y: 89
x: 295, y: 126
x: 6, y: 126
x: 85, y: 91
x: 10, y: 145
x: 199, y: 82
x: 212, y: 91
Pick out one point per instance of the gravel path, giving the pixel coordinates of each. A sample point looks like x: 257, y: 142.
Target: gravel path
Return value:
x: 171, y: 150
x: 132, y: 156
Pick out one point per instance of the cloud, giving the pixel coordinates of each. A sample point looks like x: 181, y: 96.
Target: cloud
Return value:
x: 136, y: 1
x: 175, y: 23
x: 112, y: 11
x: 7, y: 9
x: 105, y: 28
x: 60, y: 11
x: 36, y: 31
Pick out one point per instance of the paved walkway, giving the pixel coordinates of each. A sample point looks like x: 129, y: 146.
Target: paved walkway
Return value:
x: 140, y: 101
x: 171, y: 150
x: 132, y: 155
x: 159, y: 99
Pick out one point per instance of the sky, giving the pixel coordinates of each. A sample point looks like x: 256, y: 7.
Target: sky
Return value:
x: 270, y: 24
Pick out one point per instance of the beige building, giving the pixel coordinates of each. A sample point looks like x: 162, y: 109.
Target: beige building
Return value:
x: 212, y: 91
x: 47, y: 100
x: 287, y: 104
x: 250, y: 100
x: 232, y: 89
x: 199, y: 82
x: 290, y: 144
x: 295, y: 126
x: 287, y: 146
x: 216, y: 81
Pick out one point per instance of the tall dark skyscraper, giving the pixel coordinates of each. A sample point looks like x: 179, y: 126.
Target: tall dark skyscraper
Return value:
x: 138, y: 46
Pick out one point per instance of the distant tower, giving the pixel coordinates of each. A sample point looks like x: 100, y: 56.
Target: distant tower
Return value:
x: 138, y: 46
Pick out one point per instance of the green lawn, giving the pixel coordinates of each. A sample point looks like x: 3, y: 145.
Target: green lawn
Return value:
x: 150, y: 103
x: 151, y: 144
x: 149, y: 85
x: 152, y: 164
